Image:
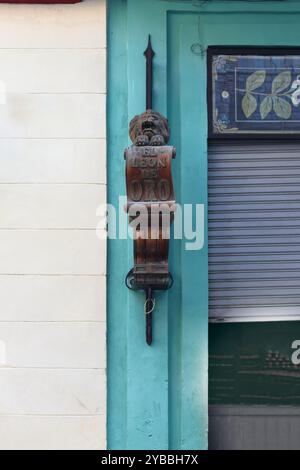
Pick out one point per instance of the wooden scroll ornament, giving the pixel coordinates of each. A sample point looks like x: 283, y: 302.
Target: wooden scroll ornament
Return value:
x: 150, y: 206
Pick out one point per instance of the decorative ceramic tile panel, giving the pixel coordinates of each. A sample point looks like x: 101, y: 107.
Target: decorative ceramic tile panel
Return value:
x: 254, y: 91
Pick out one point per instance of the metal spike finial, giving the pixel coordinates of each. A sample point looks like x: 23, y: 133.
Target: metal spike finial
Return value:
x: 149, y: 54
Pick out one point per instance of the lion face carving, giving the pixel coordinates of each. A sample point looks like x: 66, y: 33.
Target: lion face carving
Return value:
x: 149, y: 128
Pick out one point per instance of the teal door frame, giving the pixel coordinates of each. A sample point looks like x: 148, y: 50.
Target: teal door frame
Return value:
x: 157, y: 396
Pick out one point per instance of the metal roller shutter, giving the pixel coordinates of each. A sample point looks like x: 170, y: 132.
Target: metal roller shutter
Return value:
x: 254, y: 231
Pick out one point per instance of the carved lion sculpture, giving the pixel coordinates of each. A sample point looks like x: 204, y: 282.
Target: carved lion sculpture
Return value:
x: 149, y: 128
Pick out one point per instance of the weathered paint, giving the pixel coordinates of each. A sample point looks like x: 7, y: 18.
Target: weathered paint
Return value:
x: 158, y: 395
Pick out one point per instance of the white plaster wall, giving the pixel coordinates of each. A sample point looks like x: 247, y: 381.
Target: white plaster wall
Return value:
x: 52, y: 265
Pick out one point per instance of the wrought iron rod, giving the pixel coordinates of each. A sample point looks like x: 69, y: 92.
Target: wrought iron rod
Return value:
x: 149, y: 54
x: 148, y: 311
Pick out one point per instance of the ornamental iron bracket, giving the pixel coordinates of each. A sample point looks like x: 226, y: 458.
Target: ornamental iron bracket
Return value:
x: 150, y: 199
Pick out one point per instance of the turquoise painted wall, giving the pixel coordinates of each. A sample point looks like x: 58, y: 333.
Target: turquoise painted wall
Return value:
x: 157, y: 397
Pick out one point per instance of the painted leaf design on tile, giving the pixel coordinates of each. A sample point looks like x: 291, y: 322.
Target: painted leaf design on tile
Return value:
x: 266, y: 107
x: 249, y: 105
x: 282, y: 108
x: 281, y: 81
x: 255, y: 80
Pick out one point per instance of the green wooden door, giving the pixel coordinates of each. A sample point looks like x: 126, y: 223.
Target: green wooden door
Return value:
x: 157, y: 397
